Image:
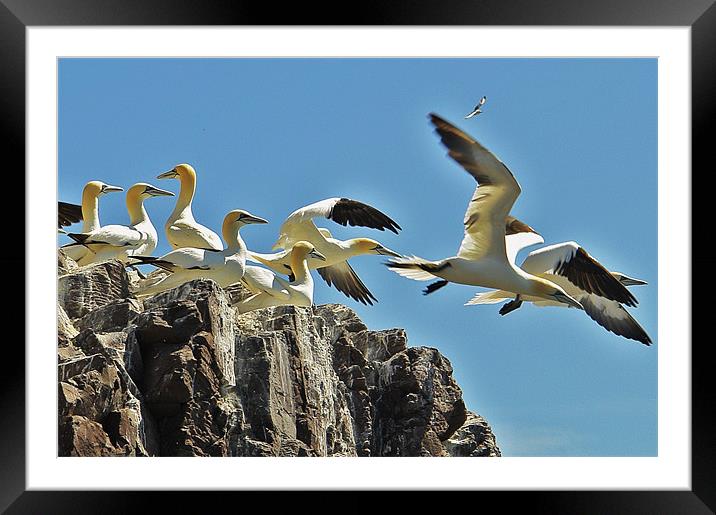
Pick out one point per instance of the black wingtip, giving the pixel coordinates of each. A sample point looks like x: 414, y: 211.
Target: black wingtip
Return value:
x: 350, y: 212
x: 365, y: 300
x: 394, y: 227
x: 439, y: 121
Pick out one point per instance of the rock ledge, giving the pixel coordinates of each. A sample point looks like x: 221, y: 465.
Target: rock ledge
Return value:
x: 181, y: 374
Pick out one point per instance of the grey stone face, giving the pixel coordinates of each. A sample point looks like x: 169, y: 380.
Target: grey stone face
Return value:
x: 182, y: 374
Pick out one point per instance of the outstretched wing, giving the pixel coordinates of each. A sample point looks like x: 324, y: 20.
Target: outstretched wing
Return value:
x: 345, y: 279
x: 614, y: 318
x: 68, y: 214
x: 343, y: 211
x: 571, y: 261
x: 496, y: 192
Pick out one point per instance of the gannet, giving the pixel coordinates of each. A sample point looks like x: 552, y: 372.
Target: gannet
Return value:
x: 482, y: 259
x: 181, y: 228
x: 121, y: 241
x: 225, y: 266
x: 335, y: 269
x: 271, y: 290
x: 477, y: 109
x: 90, y: 213
x: 600, y: 292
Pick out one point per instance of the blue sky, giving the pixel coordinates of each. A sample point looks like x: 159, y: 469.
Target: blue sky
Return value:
x: 272, y: 135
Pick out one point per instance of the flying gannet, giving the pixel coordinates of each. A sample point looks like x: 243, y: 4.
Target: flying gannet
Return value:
x: 89, y: 213
x: 600, y: 292
x: 181, y: 228
x: 477, y: 109
x: 482, y: 259
x: 335, y: 269
x: 122, y: 241
x: 226, y: 267
x: 271, y: 290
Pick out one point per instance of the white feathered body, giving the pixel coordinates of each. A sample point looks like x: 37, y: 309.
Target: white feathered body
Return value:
x: 120, y: 242
x: 277, y: 291
x: 186, y: 232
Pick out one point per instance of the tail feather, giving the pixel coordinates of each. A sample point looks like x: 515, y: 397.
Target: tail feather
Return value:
x: 415, y: 268
x: 79, y: 240
x: 151, y: 260
x: 78, y: 237
x: 143, y: 260
x: 490, y: 297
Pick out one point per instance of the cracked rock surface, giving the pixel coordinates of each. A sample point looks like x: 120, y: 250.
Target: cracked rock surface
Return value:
x: 182, y: 374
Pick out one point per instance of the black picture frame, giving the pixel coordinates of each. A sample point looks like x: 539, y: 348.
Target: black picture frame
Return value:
x: 16, y: 15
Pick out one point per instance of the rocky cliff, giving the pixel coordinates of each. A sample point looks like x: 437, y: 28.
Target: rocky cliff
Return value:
x: 181, y: 374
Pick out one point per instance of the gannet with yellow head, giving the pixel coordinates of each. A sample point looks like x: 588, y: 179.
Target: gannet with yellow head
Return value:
x: 181, y: 228
x: 600, y: 292
x: 121, y: 241
x: 271, y: 290
x: 226, y: 267
x: 89, y: 213
x: 482, y: 259
x: 335, y: 269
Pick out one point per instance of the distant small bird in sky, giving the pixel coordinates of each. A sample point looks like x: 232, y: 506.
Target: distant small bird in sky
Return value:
x: 477, y: 109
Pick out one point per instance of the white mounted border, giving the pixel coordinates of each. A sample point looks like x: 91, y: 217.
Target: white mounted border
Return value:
x: 670, y: 470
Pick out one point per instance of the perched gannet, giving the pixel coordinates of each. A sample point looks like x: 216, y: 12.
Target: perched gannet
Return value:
x: 226, y: 267
x: 89, y: 213
x: 271, y: 290
x: 335, y: 269
x: 181, y: 228
x: 585, y: 279
x: 477, y: 109
x: 121, y: 241
x: 482, y: 259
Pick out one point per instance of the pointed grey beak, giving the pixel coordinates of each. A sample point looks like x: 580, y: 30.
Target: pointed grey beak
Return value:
x: 107, y: 188
x: 168, y: 175
x: 251, y: 219
x: 156, y: 192
x: 386, y: 252
x: 317, y: 255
